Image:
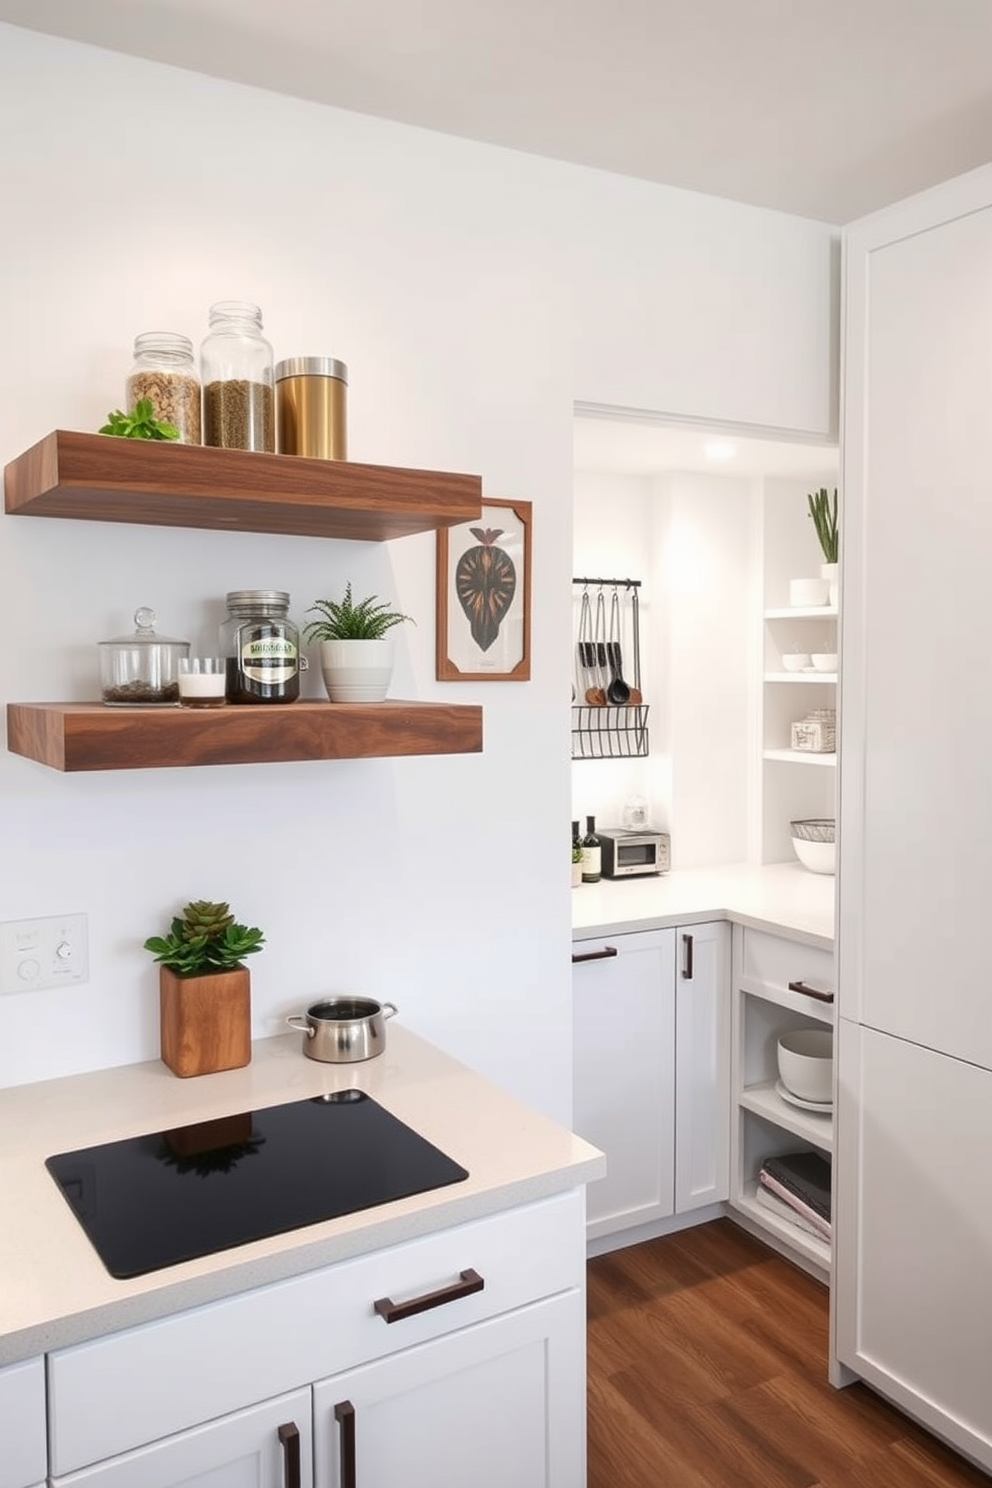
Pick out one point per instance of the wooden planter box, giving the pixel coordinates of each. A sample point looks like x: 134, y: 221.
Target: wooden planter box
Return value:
x: 205, y: 1021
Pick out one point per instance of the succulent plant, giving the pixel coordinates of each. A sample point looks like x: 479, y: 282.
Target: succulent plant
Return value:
x: 203, y: 939
x: 365, y: 621
x: 823, y: 510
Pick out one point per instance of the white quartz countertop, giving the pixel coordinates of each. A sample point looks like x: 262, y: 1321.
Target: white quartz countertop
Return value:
x: 54, y: 1289
x: 784, y: 898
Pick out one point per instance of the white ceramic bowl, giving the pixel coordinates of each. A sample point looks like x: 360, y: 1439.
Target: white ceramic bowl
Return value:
x: 818, y: 857
x: 809, y: 591
x: 825, y: 661
x: 795, y: 661
x: 806, y: 1063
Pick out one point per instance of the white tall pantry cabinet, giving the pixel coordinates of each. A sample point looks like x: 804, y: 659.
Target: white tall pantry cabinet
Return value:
x: 913, y: 1266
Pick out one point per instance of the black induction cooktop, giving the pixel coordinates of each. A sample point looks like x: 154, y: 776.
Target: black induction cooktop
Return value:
x: 153, y: 1201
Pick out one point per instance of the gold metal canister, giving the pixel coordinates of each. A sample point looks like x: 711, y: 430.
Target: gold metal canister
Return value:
x: 311, y: 407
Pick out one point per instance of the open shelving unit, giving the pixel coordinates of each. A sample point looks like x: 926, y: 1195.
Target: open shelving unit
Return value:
x: 95, y: 477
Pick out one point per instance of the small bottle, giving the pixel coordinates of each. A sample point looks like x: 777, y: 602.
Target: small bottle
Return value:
x: 165, y: 373
x: 576, y: 855
x: 592, y: 853
x: 236, y: 370
x: 262, y: 647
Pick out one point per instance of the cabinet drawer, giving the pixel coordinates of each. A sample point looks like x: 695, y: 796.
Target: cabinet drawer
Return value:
x: 23, y: 1455
x: 132, y: 1387
x: 769, y: 963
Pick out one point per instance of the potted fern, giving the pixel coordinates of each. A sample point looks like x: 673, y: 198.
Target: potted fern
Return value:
x: 356, y: 653
x: 204, y: 989
x: 823, y: 512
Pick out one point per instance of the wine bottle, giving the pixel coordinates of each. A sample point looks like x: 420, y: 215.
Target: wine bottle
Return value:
x: 592, y: 853
x: 576, y: 855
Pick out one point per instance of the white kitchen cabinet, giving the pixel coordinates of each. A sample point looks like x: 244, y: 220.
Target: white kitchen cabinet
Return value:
x: 914, y: 1221
x: 763, y: 1124
x: 148, y: 1391
x: 651, y: 1030
x: 267, y: 1446
x: 491, y: 1405
x: 23, y: 1446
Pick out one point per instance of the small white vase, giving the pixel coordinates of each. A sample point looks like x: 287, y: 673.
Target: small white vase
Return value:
x: 357, y: 671
x: 828, y: 571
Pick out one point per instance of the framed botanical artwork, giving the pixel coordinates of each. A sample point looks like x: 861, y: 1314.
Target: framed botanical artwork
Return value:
x: 483, y: 595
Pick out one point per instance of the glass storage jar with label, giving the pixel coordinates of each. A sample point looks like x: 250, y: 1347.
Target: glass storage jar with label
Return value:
x: 237, y: 374
x: 164, y: 372
x: 262, y: 647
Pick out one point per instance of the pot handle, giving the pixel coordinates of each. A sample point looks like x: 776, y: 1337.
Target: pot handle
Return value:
x: 388, y: 1009
x: 300, y: 1023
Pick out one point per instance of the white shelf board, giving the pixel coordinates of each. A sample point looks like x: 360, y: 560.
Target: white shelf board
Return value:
x: 802, y: 612
x: 801, y: 757
x: 813, y: 1126
x: 813, y: 676
x: 797, y: 1002
x: 810, y: 1246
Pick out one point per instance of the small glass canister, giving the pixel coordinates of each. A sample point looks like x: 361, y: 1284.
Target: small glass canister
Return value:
x: 141, y: 670
x: 262, y: 647
x: 817, y: 732
x: 311, y: 408
x: 237, y: 374
x: 165, y: 373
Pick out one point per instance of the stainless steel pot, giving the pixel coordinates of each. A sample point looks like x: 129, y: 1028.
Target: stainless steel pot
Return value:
x: 342, y: 1030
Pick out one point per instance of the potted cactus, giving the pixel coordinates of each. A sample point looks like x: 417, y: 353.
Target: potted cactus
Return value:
x: 356, y: 654
x: 823, y: 512
x: 204, y: 989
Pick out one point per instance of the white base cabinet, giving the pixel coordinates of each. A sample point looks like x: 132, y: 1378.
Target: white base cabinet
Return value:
x: 461, y: 1357
x: 651, y: 1046
x: 23, y: 1453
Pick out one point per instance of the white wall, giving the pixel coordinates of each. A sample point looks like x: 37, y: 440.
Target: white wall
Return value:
x: 475, y: 294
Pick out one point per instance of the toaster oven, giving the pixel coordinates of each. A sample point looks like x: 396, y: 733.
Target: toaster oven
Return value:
x: 627, y: 854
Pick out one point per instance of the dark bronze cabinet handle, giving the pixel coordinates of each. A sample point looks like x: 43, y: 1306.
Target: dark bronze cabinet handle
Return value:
x: 344, y: 1414
x: 602, y: 955
x: 687, y: 957
x: 395, y: 1312
x: 810, y: 991
x: 290, y: 1438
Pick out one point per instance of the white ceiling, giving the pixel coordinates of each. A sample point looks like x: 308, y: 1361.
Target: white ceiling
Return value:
x: 824, y: 108
x: 621, y: 446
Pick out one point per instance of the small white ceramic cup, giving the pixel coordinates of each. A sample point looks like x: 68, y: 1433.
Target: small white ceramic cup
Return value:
x: 202, y: 681
x: 795, y: 661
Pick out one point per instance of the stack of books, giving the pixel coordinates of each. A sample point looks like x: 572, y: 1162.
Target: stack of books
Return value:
x: 796, y: 1187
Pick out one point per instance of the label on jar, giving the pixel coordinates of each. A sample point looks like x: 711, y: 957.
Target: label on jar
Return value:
x: 269, y: 658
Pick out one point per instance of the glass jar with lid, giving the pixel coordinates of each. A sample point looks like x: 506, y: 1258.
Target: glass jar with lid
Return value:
x: 164, y: 372
x: 141, y: 669
x: 262, y: 647
x: 236, y: 369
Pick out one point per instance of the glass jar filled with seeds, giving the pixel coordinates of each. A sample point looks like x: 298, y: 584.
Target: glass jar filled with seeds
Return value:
x: 237, y: 374
x: 164, y: 372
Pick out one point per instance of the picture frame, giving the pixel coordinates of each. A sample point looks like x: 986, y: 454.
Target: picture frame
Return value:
x: 484, y: 603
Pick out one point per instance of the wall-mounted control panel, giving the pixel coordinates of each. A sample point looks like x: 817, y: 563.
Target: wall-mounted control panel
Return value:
x: 36, y: 954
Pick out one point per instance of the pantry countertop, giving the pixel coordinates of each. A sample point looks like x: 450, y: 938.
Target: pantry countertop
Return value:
x: 783, y: 898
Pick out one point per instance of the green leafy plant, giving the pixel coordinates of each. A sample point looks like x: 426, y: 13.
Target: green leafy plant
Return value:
x: 368, y: 620
x: 823, y: 510
x: 140, y: 423
x: 204, y: 938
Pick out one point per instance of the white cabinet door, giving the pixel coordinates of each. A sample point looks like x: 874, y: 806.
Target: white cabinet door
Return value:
x: 623, y: 1020
x: 913, y: 1301
x: 268, y: 1446
x: 23, y: 1439
x: 702, y: 1066
x: 498, y: 1404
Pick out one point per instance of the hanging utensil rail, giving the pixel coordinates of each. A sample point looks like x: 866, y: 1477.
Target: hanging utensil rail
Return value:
x: 603, y: 726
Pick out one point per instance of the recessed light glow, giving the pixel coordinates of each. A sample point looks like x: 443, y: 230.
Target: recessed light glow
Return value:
x: 720, y: 449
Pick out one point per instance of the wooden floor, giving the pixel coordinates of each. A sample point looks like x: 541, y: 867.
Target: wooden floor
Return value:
x: 707, y: 1369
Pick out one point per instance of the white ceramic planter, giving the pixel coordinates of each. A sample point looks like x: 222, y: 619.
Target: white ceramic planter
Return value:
x: 356, y: 671
x: 828, y: 571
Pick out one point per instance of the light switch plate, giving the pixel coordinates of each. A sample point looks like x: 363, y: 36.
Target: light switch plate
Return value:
x: 37, y: 954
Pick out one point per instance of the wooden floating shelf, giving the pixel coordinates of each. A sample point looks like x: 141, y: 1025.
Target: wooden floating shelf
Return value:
x: 102, y: 478
x: 91, y: 736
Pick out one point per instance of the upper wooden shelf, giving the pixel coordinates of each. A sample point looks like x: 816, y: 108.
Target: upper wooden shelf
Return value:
x: 91, y: 736
x: 101, y: 478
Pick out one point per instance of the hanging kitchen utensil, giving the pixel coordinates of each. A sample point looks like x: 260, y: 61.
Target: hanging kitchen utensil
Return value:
x: 585, y: 647
x: 596, y: 694
x: 617, y: 692
x: 636, y: 696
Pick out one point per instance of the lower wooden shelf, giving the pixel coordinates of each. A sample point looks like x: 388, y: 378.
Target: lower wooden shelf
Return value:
x: 91, y: 736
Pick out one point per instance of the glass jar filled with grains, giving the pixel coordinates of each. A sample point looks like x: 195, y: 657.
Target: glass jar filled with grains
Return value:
x: 237, y: 374
x: 164, y: 372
